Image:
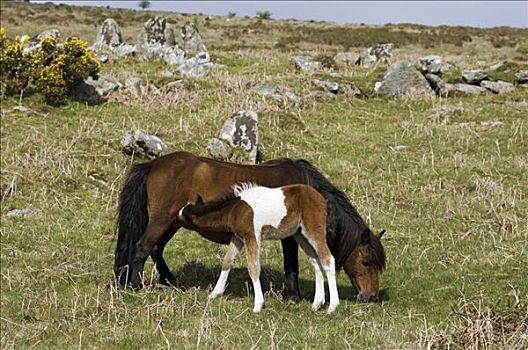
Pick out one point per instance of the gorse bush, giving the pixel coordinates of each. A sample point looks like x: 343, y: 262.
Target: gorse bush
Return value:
x: 264, y: 14
x: 53, y: 69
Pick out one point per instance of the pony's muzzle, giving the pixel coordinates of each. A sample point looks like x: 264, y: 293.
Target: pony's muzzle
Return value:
x: 370, y: 297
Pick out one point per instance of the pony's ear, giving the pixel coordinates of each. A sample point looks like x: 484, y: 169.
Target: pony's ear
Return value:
x: 381, y: 234
x: 365, y: 236
x: 199, y: 200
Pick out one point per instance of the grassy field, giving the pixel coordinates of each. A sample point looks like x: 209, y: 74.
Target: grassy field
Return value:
x: 454, y: 201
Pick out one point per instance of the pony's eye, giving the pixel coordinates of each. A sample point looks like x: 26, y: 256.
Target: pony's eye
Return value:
x: 366, y: 263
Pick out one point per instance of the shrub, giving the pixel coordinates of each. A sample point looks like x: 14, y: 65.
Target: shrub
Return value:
x: 231, y: 15
x: 54, y: 70
x: 264, y: 14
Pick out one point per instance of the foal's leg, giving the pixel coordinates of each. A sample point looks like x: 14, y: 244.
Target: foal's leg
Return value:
x: 319, y: 297
x: 253, y: 260
x: 317, y: 238
x: 232, y: 252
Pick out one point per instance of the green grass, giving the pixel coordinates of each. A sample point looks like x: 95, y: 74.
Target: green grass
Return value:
x: 453, y: 203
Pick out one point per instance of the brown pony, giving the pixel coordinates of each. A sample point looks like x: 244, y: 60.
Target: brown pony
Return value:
x: 253, y: 213
x: 154, y: 193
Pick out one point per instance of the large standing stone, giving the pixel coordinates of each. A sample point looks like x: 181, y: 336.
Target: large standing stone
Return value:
x: 35, y: 43
x: 474, y: 76
x: 141, y: 144
x: 403, y: 79
x: 377, y: 53
x: 192, y: 41
x: 218, y: 149
x: 306, y: 63
x: 241, y: 130
x: 497, y: 87
x: 109, y: 35
x: 156, y: 40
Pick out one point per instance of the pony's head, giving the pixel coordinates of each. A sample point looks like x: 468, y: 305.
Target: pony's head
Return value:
x: 365, y: 265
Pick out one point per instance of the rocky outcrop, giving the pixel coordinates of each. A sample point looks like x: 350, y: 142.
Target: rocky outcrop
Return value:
x: 344, y: 59
x: 141, y: 144
x: 403, y: 79
x: 433, y: 64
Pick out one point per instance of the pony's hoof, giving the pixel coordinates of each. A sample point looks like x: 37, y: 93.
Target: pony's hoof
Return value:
x: 214, y: 295
x: 257, y: 309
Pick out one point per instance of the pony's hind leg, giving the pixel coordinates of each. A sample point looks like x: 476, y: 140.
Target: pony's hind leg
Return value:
x: 252, y: 254
x: 232, y: 252
x: 319, y: 297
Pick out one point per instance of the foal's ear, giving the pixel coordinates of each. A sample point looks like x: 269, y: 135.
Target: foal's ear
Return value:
x: 381, y: 234
x: 365, y: 236
x: 199, y: 200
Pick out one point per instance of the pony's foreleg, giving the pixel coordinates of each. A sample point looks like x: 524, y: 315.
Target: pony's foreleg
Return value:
x: 253, y: 260
x: 227, y: 264
x: 290, y: 251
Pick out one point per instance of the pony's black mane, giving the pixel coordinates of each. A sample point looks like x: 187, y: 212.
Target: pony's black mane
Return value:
x: 204, y: 208
x: 344, y: 224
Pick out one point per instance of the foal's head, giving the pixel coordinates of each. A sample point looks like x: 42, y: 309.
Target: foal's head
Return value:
x: 365, y: 264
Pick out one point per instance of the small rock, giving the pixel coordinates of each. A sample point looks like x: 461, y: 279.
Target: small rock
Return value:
x: 398, y: 148
x: 376, y: 54
x: 26, y: 213
x: 349, y: 90
x: 433, y: 64
x: 35, y: 43
x: 104, y: 84
x: 218, y: 149
x: 323, y: 95
x: 497, y: 65
x: 134, y: 85
x: 123, y: 50
x: 177, y: 85
x: 102, y: 58
x: 306, y: 63
x: 142, y: 144
x: 460, y: 89
x: 437, y: 84
x: 474, y: 76
x: 22, y: 109
x: 265, y: 88
x: 330, y: 86
x: 166, y: 74
x: 497, y: 87
x: 403, y: 79
x: 522, y: 76
x: 347, y: 59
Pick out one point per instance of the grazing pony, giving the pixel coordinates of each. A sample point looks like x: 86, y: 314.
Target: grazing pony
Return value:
x: 253, y: 213
x: 154, y: 193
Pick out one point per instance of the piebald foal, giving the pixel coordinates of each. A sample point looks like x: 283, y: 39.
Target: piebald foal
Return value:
x: 254, y: 213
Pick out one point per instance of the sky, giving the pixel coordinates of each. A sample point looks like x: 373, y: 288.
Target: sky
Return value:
x: 464, y: 13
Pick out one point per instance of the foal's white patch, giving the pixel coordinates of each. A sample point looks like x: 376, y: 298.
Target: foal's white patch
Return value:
x: 267, y: 204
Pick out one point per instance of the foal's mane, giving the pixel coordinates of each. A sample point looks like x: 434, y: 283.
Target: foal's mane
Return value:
x: 203, y: 208
x: 344, y: 224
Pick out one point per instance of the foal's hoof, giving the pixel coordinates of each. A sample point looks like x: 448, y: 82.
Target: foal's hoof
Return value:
x: 214, y: 295
x: 257, y: 309
x: 317, y: 305
x: 332, y: 308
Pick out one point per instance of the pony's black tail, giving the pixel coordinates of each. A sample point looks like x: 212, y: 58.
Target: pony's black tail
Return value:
x: 132, y: 218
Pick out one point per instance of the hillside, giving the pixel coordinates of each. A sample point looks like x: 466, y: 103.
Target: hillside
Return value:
x: 445, y: 176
